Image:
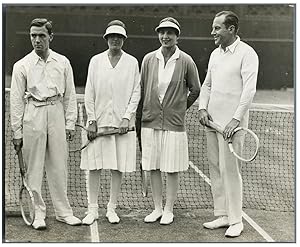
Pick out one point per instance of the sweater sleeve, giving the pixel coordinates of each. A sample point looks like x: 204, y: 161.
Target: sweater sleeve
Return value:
x: 89, y: 95
x: 249, y: 71
x: 136, y: 94
x: 206, y: 88
x: 193, y: 82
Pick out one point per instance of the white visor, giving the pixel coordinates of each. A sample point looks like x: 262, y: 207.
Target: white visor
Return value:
x: 115, y: 29
x: 167, y: 24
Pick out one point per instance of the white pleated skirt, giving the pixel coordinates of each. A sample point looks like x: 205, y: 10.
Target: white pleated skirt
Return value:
x: 116, y: 152
x: 164, y: 150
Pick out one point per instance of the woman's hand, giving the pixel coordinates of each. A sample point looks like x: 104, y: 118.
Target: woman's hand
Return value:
x: 124, y: 126
x: 92, y: 131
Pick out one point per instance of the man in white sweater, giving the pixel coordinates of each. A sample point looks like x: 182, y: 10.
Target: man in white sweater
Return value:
x: 225, y: 98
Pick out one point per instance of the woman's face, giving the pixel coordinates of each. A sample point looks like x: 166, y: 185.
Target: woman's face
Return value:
x: 167, y: 37
x: 115, y: 41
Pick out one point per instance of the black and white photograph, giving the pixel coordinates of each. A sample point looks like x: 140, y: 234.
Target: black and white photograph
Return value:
x: 148, y: 122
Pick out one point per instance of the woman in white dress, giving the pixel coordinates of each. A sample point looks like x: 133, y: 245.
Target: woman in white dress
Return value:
x: 112, y: 94
x: 170, y: 84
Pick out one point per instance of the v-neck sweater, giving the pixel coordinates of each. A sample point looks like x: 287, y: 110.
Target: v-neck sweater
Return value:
x: 181, y: 93
x: 112, y: 93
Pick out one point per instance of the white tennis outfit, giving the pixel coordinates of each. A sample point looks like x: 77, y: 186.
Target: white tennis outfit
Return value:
x: 163, y: 149
x: 227, y: 93
x: 43, y: 126
x: 111, y: 94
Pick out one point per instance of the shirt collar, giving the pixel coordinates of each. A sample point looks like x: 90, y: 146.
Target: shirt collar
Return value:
x: 232, y: 47
x: 37, y: 58
x: 160, y: 56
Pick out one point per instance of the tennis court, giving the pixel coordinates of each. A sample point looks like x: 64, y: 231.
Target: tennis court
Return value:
x: 269, y: 190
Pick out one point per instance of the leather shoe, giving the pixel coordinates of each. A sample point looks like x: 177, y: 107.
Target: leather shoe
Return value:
x: 154, y: 216
x: 234, y: 230
x: 218, y: 223
x: 70, y: 220
x: 39, y: 224
x: 167, y: 218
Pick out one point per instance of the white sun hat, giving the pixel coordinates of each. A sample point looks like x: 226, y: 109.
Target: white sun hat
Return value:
x: 115, y: 29
x: 167, y: 23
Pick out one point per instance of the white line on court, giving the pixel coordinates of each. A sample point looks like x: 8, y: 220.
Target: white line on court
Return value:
x: 94, y: 232
x: 263, y: 233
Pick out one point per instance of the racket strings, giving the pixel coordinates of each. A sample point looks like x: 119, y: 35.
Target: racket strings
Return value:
x: 244, y: 144
x: 27, y: 206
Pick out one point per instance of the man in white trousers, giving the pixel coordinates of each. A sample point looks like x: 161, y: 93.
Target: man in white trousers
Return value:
x: 43, y: 115
x: 225, y: 98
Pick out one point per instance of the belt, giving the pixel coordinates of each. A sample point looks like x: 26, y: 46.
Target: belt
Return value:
x: 48, y: 101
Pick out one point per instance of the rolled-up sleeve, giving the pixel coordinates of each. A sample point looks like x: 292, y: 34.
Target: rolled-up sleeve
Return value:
x: 17, y: 103
x: 69, y: 99
x: 249, y: 71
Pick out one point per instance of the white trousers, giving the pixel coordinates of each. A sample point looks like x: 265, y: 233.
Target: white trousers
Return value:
x: 45, y: 147
x: 226, y: 179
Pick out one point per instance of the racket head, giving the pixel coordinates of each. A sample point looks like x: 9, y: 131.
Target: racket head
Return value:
x: 244, y: 144
x: 145, y: 179
x: 27, y: 205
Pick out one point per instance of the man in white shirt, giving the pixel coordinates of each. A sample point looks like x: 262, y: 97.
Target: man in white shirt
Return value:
x: 225, y: 98
x: 43, y: 114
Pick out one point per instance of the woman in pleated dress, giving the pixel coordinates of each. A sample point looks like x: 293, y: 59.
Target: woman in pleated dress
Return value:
x: 112, y: 94
x: 169, y: 86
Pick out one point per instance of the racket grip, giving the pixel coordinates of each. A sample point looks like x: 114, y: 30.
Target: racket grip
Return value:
x: 215, y: 126
x: 21, y: 162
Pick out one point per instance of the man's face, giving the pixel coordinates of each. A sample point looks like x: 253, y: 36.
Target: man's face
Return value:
x: 40, y: 39
x: 222, y: 36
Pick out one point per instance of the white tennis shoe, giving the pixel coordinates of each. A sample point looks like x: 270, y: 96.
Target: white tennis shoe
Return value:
x: 218, y: 223
x: 112, y: 217
x: 70, y: 220
x: 39, y: 224
x: 234, y: 230
x: 167, y: 218
x: 154, y: 216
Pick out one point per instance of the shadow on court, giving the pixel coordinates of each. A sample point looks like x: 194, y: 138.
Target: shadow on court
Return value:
x: 187, y: 227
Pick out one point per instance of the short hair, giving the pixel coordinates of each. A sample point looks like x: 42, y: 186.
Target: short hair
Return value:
x: 173, y: 20
x: 116, y: 23
x: 230, y: 19
x: 40, y: 22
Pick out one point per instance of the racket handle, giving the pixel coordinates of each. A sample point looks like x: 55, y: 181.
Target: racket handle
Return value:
x: 21, y: 162
x: 112, y: 132
x: 215, y: 126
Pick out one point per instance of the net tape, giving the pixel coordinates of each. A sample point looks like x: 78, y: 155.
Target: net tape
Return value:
x: 268, y: 182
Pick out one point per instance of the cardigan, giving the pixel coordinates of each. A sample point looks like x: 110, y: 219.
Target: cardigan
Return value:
x: 181, y: 93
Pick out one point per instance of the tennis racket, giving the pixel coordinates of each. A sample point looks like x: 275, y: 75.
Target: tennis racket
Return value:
x: 105, y: 133
x: 26, y: 198
x: 250, y: 145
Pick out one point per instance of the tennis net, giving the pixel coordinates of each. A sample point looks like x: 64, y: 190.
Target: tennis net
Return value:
x: 268, y: 182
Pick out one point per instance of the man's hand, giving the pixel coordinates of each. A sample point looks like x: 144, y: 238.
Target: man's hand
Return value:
x: 204, y: 117
x: 70, y: 134
x: 92, y: 131
x: 124, y: 126
x: 18, y: 144
x: 230, y: 127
